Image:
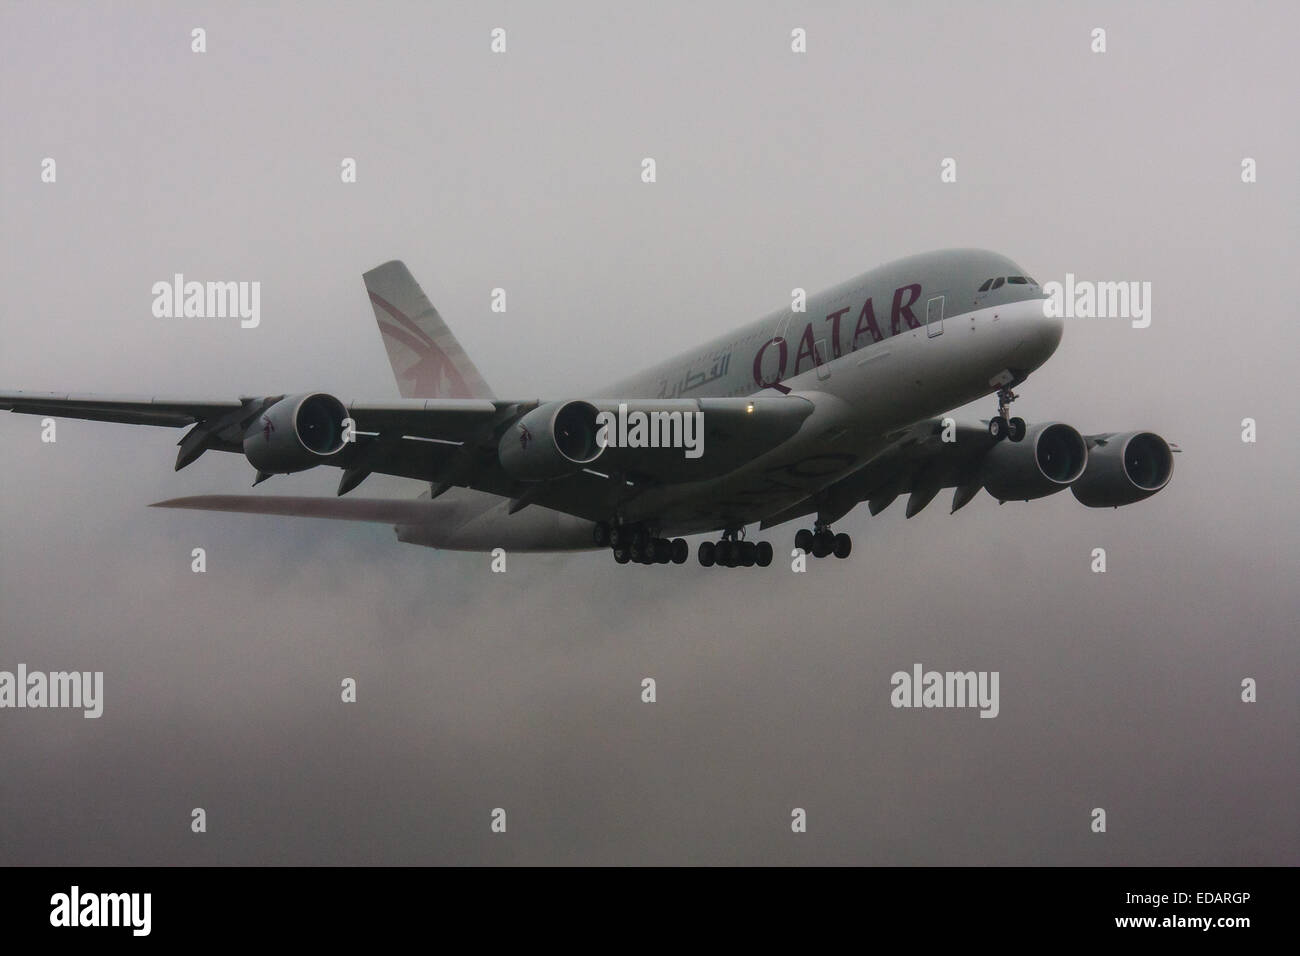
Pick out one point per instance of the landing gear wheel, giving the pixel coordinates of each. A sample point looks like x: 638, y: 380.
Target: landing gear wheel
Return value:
x: 663, y: 550
x: 723, y: 553
x: 681, y: 551
x: 600, y: 534
x: 748, y: 554
x: 1003, y: 426
x: 763, y: 555
x: 803, y: 540
x: 823, y: 541
x: 841, y: 545
x: 620, y: 536
x: 707, y: 553
x: 621, y: 555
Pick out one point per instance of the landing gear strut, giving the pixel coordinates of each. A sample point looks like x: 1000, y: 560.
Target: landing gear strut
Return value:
x: 821, y: 541
x: 1002, y: 425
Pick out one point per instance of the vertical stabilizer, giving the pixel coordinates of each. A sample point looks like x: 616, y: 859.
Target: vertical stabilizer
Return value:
x: 427, y: 360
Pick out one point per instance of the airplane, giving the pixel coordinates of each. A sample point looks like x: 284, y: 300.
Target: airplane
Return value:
x: 804, y: 413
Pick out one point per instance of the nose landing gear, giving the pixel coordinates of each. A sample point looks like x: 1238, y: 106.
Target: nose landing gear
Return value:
x: 1002, y: 426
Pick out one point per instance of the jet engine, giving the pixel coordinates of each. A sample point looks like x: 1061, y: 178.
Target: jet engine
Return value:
x: 296, y: 433
x: 1048, y: 459
x: 553, y: 440
x: 1127, y: 468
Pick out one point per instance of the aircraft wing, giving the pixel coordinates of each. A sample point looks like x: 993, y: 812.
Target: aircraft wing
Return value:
x: 920, y: 461
x: 1104, y: 439
x: 127, y: 409
x: 455, y: 442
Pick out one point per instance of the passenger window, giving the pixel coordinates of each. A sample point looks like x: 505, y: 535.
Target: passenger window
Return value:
x: 1016, y: 280
x: 985, y: 286
x: 997, y: 283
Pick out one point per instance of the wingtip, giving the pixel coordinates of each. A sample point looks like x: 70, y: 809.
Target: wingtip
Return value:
x: 174, y: 502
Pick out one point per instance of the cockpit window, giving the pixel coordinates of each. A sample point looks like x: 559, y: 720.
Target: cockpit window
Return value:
x: 1016, y: 280
x: 1032, y: 281
x: 997, y: 283
x: 985, y: 286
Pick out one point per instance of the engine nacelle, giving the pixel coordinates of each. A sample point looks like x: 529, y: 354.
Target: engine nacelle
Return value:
x: 1126, y: 469
x: 296, y: 433
x: 553, y: 440
x: 1048, y: 459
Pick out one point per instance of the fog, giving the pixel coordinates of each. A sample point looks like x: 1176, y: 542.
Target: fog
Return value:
x: 523, y: 690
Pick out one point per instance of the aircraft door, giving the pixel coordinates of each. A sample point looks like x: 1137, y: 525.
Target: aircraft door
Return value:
x: 934, y: 315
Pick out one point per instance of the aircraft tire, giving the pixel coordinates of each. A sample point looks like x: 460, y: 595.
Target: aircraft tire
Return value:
x: 842, y: 545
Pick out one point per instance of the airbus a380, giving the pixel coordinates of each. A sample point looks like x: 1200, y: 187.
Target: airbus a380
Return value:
x: 802, y: 414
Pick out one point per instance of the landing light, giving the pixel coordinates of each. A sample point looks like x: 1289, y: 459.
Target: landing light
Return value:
x: 749, y: 409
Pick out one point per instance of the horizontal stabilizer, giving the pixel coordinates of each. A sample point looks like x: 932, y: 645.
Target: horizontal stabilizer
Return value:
x: 383, y: 510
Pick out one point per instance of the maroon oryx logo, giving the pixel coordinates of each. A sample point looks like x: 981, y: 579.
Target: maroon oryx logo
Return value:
x: 525, y: 436
x: 267, y: 427
x: 434, y: 374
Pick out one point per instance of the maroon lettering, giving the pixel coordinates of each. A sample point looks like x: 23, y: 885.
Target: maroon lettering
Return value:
x: 834, y: 320
x: 904, y: 309
x: 758, y: 362
x: 867, y: 316
x: 806, y: 347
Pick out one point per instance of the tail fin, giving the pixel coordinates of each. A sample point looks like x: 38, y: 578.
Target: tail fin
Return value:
x: 427, y: 360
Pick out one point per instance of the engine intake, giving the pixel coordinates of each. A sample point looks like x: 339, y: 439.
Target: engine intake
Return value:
x: 1127, y: 468
x: 553, y: 440
x: 1048, y: 459
x: 296, y: 433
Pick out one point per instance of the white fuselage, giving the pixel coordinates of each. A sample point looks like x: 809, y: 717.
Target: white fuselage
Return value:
x: 894, y: 346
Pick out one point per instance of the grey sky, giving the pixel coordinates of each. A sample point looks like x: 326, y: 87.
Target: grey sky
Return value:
x: 521, y: 690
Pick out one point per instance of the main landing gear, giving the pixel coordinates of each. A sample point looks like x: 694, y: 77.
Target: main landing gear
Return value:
x: 635, y: 543
x: 733, y: 551
x: 1002, y: 426
x: 821, y: 541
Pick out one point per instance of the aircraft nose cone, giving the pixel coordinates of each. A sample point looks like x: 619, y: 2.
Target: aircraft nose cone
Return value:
x: 1050, y: 331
